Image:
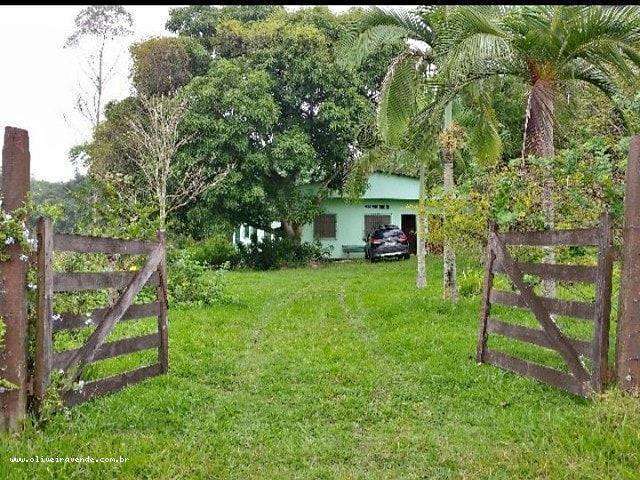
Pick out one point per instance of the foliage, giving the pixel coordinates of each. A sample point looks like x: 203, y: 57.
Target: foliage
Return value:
x: 201, y: 21
x: 191, y: 283
x: 470, y: 282
x: 63, y: 197
x: 588, y: 179
x: 278, y: 106
x: 113, y: 208
x: 102, y: 21
x: 214, y: 251
x: 273, y: 253
x: 14, y: 231
x: 549, y: 48
x: 161, y: 65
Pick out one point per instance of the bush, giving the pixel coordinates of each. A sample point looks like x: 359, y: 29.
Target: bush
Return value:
x: 470, y: 282
x: 214, y: 252
x: 270, y: 254
x: 191, y: 282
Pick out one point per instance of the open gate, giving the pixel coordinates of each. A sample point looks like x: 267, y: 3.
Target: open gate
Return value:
x: 580, y: 379
x: 128, y: 284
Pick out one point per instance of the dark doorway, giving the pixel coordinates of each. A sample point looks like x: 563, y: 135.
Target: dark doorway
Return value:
x: 408, y: 226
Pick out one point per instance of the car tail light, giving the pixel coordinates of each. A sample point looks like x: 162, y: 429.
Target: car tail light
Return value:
x: 402, y: 237
x: 376, y: 241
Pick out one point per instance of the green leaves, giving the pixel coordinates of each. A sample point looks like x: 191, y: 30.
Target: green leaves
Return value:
x: 398, y: 102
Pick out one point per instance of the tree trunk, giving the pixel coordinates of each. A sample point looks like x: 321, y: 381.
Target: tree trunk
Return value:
x: 450, y: 284
x: 538, y: 141
x: 449, y: 281
x: 292, y: 230
x: 421, y: 250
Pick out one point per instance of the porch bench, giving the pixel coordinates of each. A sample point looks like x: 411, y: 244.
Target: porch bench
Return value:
x: 352, y: 249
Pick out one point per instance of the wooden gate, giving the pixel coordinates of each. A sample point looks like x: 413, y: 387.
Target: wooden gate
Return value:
x: 580, y: 379
x: 128, y: 284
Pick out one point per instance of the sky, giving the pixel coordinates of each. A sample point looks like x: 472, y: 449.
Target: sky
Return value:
x: 40, y: 78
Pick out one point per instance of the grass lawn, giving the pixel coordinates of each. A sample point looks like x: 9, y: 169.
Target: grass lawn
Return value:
x: 344, y: 371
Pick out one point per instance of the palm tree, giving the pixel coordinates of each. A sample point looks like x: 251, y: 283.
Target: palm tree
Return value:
x: 405, y: 94
x: 548, y: 48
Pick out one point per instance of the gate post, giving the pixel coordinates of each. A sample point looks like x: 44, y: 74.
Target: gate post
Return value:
x: 13, y: 309
x: 628, y: 334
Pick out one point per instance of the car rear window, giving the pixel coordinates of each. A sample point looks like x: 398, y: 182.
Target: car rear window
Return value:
x: 387, y: 233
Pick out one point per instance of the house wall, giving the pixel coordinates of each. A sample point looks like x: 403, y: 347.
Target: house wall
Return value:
x: 350, y: 221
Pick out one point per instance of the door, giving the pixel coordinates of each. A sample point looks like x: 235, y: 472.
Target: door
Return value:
x: 408, y: 226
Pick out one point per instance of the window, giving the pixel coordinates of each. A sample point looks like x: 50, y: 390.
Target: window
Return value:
x: 371, y: 222
x: 247, y: 231
x: 324, y: 226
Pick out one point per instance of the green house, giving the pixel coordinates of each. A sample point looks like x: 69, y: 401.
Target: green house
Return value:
x: 343, y: 225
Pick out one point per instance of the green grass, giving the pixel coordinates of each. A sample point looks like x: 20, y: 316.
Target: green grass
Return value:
x: 344, y: 371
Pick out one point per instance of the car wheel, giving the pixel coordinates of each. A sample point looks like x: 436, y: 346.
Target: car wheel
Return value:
x: 406, y: 256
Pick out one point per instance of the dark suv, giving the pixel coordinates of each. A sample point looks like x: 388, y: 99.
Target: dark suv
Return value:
x: 386, y: 241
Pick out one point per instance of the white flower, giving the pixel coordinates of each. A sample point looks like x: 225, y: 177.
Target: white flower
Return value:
x: 61, y: 371
x: 88, y: 314
x: 80, y: 385
x: 10, y: 241
x: 24, y: 258
x: 88, y: 321
x: 56, y: 316
x: 31, y: 286
x: 33, y: 242
x: 8, y: 216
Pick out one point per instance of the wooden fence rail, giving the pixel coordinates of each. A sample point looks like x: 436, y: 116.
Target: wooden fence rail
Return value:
x: 578, y: 379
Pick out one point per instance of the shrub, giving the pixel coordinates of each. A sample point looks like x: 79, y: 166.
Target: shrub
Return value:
x: 270, y: 254
x: 214, y: 252
x: 470, y: 282
x: 191, y: 282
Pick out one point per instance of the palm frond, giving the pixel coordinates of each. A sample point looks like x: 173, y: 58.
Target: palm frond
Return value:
x: 379, y: 27
x: 398, y: 96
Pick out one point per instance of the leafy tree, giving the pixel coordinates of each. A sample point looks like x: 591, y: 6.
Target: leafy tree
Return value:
x: 297, y: 127
x: 162, y: 65
x: 201, y: 21
x: 548, y: 48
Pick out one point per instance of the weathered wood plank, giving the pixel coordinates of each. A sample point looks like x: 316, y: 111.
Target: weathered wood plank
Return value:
x: 569, y: 308
x: 74, y: 321
x: 110, y: 384
x: 161, y: 294
x: 76, y: 282
x: 44, y: 334
x: 563, y: 273
x: 533, y: 335
x: 486, y: 298
x: 582, y: 236
x: 538, y: 372
x: 111, y: 349
x: 541, y: 312
x: 97, y: 338
x: 64, y: 242
x: 602, y: 312
x: 13, y: 275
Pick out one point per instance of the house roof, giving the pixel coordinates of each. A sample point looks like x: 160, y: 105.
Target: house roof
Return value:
x: 390, y: 186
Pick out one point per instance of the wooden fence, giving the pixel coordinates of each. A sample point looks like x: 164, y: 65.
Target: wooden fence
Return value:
x: 578, y: 380
x: 72, y: 362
